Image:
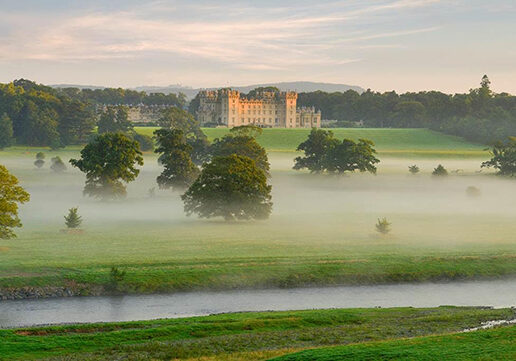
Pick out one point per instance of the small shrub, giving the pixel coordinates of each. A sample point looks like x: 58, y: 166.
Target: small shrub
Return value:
x: 383, y: 226
x: 57, y: 165
x: 73, y: 220
x: 116, y: 277
x: 440, y: 171
x: 473, y: 192
x: 413, y: 169
x: 40, y: 159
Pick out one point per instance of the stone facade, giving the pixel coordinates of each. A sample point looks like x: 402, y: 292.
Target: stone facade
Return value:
x: 266, y: 109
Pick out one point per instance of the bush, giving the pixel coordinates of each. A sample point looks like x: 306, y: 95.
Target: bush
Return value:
x: 57, y: 165
x: 40, y: 159
x: 413, y: 169
x: 473, y: 192
x: 440, y: 171
x: 116, y: 277
x: 383, y: 226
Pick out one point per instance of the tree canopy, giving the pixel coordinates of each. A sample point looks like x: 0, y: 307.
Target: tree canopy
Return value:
x: 179, y: 170
x: 108, y: 161
x: 324, y: 153
x: 114, y: 119
x: 316, y: 149
x: 504, y: 158
x: 11, y: 194
x: 244, y: 145
x: 6, y: 131
x: 232, y: 187
x: 479, y: 115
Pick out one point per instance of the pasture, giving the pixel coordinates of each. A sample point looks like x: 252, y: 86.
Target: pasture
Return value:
x: 408, y: 142
x: 321, y: 231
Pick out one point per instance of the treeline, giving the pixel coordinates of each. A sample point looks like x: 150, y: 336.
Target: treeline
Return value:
x: 479, y: 115
x: 37, y: 115
x: 119, y: 96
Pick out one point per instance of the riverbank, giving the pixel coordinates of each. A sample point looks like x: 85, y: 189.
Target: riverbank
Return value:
x: 237, y: 336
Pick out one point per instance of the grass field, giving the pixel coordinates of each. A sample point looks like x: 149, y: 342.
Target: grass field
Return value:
x: 259, y: 336
x: 495, y: 344
x: 321, y: 231
x: 414, y: 142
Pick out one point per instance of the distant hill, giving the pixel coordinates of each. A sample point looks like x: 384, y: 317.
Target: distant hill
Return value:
x: 299, y: 86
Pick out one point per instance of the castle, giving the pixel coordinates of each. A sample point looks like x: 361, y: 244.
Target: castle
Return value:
x: 266, y: 109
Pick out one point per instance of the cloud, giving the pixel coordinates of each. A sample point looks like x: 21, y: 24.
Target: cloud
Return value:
x: 251, y: 38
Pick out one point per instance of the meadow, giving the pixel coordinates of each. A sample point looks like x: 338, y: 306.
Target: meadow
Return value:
x: 415, y: 142
x: 321, y: 231
x: 262, y: 335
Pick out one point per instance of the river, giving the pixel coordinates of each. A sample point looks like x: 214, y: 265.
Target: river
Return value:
x: 20, y: 313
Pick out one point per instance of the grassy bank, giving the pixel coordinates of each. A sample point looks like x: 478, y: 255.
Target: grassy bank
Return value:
x: 242, y: 336
x: 494, y: 344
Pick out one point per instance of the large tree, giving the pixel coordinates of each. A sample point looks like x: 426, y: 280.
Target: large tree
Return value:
x: 76, y: 122
x: 349, y: 156
x: 11, y: 193
x: 179, y: 170
x: 244, y: 145
x: 114, y: 119
x: 108, y: 161
x: 37, y: 126
x: 231, y: 187
x: 177, y: 118
x: 504, y: 158
x: 316, y: 149
x: 324, y: 153
x: 6, y: 131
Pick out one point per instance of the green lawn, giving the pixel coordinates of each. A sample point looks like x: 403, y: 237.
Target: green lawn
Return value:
x: 495, y: 344
x: 388, y: 141
x: 245, y: 336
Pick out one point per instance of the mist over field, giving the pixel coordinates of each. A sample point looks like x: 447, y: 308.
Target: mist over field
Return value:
x: 315, y: 210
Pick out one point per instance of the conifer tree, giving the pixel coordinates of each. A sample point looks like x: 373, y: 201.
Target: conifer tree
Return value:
x: 73, y: 220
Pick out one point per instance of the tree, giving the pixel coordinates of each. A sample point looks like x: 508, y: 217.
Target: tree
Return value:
x: 243, y: 145
x: 76, y: 122
x: 440, y: 171
x: 180, y: 172
x: 114, y: 119
x: 504, y: 158
x: 6, y: 131
x: 383, y: 226
x: 10, y: 195
x: 249, y: 130
x: 37, y: 127
x: 231, y: 187
x: 413, y: 169
x: 316, y: 148
x: 40, y: 159
x: 108, y: 161
x: 177, y: 118
x: 57, y: 165
x: 73, y: 220
x: 146, y: 143
x: 350, y: 156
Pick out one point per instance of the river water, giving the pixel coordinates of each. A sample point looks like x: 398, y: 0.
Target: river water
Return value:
x: 19, y: 313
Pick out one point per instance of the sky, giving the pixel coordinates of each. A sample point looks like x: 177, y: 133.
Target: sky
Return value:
x: 402, y: 45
